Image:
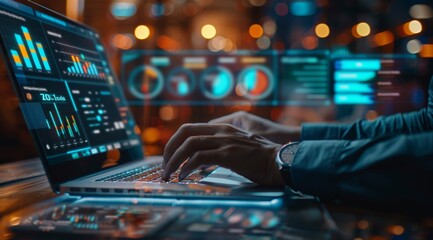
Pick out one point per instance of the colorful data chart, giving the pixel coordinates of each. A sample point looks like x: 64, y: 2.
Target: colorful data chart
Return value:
x: 31, y: 55
x: 146, y: 82
x: 217, y: 83
x: 255, y: 82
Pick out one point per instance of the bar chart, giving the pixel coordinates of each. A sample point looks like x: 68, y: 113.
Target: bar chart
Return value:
x: 76, y: 55
x: 79, y: 62
x: 62, y: 127
x: 65, y: 127
x: 80, y: 66
x: 30, y: 55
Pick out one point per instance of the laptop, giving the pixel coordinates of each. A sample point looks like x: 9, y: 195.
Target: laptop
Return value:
x: 76, y: 112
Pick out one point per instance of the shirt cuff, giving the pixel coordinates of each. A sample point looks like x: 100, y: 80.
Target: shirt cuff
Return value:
x: 323, y: 131
x: 313, y: 167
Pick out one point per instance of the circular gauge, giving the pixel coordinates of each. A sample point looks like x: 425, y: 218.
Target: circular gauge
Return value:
x: 216, y: 82
x: 145, y: 82
x: 181, y: 82
x: 255, y: 82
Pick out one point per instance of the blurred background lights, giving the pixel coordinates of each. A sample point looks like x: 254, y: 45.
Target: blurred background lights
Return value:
x: 142, y: 32
x: 270, y: 27
x: 229, y: 45
x: 150, y: 135
x: 383, y: 38
x: 426, y: 51
x: 123, y: 10
x: 361, y: 29
x: 167, y: 43
x: 302, y: 8
x: 257, y: 3
x: 415, y: 26
x: 208, y: 31
x: 412, y: 27
x: 123, y: 41
x: 256, y: 31
x: 310, y: 42
x: 364, y: 224
x: 421, y: 11
x: 167, y: 113
x: 396, y: 230
x: 264, y: 42
x: 413, y: 46
x: 281, y: 9
x: 168, y: 9
x: 217, y: 44
x: 322, y: 30
x: 157, y: 10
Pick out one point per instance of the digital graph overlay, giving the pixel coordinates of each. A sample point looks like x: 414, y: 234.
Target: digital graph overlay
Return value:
x: 368, y: 80
x: 146, y: 82
x: 199, y: 77
x: 217, y: 82
x: 25, y: 48
x: 181, y: 82
x: 304, y: 78
x: 77, y: 56
x: 255, y: 82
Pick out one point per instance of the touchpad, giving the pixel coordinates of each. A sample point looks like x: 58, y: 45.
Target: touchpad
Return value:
x: 225, y: 176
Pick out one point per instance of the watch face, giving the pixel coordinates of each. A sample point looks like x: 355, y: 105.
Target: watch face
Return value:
x: 288, y: 153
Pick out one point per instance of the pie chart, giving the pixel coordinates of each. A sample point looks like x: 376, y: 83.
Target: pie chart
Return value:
x: 255, y: 82
x: 145, y: 82
x: 217, y: 82
x: 181, y: 82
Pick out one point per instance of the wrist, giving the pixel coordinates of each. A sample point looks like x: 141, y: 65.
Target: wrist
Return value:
x: 284, y: 160
x: 272, y: 177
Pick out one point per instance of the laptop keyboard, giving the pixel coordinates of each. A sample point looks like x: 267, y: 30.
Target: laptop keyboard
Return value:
x: 152, y: 174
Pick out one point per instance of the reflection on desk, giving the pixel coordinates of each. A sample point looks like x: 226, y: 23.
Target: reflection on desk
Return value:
x: 299, y: 218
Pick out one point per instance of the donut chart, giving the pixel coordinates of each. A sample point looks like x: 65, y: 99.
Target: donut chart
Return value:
x: 217, y: 82
x: 181, y: 82
x: 146, y: 82
x: 255, y: 82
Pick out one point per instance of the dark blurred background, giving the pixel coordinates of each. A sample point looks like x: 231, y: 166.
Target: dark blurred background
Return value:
x: 342, y: 27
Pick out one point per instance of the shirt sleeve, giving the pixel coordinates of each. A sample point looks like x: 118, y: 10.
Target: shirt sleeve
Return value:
x: 402, y: 123
x: 387, y: 161
x: 388, y: 169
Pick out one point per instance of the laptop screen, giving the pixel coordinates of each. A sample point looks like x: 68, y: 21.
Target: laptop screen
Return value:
x: 68, y: 93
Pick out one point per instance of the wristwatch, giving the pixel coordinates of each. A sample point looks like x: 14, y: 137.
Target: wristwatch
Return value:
x: 285, y: 159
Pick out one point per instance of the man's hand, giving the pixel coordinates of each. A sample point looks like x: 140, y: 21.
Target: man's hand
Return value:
x: 273, y: 131
x: 247, y: 154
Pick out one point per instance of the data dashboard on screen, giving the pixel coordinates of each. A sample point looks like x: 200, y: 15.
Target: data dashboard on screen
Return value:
x: 273, y: 78
x: 263, y: 78
x: 66, y: 88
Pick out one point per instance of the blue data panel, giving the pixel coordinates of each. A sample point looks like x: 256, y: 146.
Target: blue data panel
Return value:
x: 377, y: 79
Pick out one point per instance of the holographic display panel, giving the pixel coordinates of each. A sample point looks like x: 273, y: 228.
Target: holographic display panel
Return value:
x: 199, y: 77
x: 304, y: 78
x: 378, y: 79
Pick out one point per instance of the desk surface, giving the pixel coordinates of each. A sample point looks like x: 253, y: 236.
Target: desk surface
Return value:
x: 23, y: 184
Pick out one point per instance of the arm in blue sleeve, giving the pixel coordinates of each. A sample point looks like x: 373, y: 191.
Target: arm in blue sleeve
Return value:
x: 402, y: 123
x: 393, y: 169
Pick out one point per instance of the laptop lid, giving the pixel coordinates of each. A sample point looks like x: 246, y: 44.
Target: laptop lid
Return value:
x: 68, y: 93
